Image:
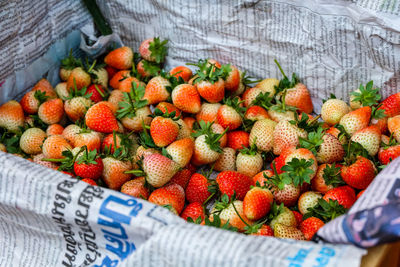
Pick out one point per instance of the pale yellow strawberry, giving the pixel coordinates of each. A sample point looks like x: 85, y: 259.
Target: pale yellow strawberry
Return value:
x: 333, y: 110
x: 283, y: 231
x: 308, y: 200
x: 32, y: 140
x: 227, y: 160
x: 262, y: 134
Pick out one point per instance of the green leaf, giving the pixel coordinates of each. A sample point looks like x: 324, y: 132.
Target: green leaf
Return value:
x: 158, y: 49
x: 367, y: 96
x: 326, y: 211
x: 299, y: 171
x: 332, y: 175
x: 132, y: 101
x: 313, y: 141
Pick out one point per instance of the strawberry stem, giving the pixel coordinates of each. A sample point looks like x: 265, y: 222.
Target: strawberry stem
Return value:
x: 240, y: 217
x: 280, y: 68
x: 222, y: 134
x: 208, y: 199
x: 135, y: 172
x: 99, y: 91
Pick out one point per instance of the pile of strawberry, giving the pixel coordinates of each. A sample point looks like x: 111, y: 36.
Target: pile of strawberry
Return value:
x: 282, y: 171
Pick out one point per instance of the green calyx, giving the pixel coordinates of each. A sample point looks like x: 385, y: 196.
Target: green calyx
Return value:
x: 285, y: 83
x: 132, y: 102
x: 248, y: 80
x: 332, y: 96
x: 88, y: 157
x: 353, y: 150
x: 299, y: 171
x: 211, y: 138
x: 305, y: 123
x: 78, y: 93
x: 40, y: 96
x: 168, y: 115
x: 325, y: 210
x: 263, y: 100
x: 377, y: 113
x: 367, y: 96
x: 278, y: 180
x: 332, y: 176
x: 251, y: 151
x: 234, y: 103
x: 209, y: 72
x: 70, y: 62
x: 158, y: 49
x: 313, y: 141
x: 280, y: 105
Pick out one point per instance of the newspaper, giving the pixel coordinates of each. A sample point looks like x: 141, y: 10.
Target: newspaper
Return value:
x: 49, y: 219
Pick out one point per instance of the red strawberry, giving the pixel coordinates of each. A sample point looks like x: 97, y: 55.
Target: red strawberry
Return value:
x: 230, y: 114
x: 356, y: 120
x: 168, y: 107
x: 78, y: 79
x: 265, y: 230
x: 181, y: 71
x: 171, y: 194
x: 194, y: 211
x: 89, y: 181
x: 327, y: 178
x: 100, y: 118
x: 120, y: 58
x: 299, y: 97
x: 114, y: 172
x: 136, y: 188
x: 186, y: 98
x: 345, y: 196
x: 388, y: 154
x: 182, y: 177
x: 11, y: 116
x: 360, y: 193
x: 237, y: 139
x: 212, y: 92
x: 156, y: 90
x: 54, y: 129
x: 230, y: 182
x: 111, y: 71
x: 51, y: 111
x: 127, y: 84
x: 97, y: 92
x: 359, y: 174
x: 394, y: 127
x: 197, y: 189
x: 391, y: 105
x: 31, y: 101
x: 256, y: 113
x: 309, y: 227
x: 153, y: 50
x: 208, y: 112
x: 164, y: 131
x: 118, y: 77
x: 159, y: 169
x: 298, y: 216
x: 89, y: 165
x: 232, y: 79
x: 257, y: 203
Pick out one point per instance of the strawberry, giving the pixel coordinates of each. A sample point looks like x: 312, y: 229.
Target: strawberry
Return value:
x: 120, y: 58
x: 261, y: 177
x: 186, y: 98
x: 100, y: 76
x: 171, y: 195
x: 67, y: 65
x: 230, y: 182
x: 391, y: 105
x: 356, y: 120
x: 184, y: 130
x: 54, y: 129
x: 31, y: 101
x: 209, y: 80
x: 256, y: 113
x: 134, y: 112
x: 163, y: 129
x: 181, y: 151
x: 76, y: 107
x: 153, y: 50
x: 168, y: 107
x: 298, y: 216
x: 262, y: 134
x: 283, y: 231
x: 285, y: 135
x: 182, y: 177
x: 38, y: 159
x: 100, y: 118
x: 369, y: 137
x: 181, y: 71
x: 265, y: 230
x: 268, y: 85
x: 31, y: 140
x: 394, y: 127
x: 207, y: 146
x: 249, y: 161
x: 118, y: 77
x: 89, y: 181
x: 310, y: 226
x: 51, y: 111
x: 208, y: 112
x: 226, y: 161
x: 326, y: 147
x: 54, y: 145
x: 283, y: 189
x: 87, y: 138
x: 308, y: 200
x: 230, y: 114
x: 194, y: 211
x: 159, y: 169
x: 89, y: 165
x: 327, y: 178
x: 156, y: 90
x: 115, y: 169
x: 388, y: 153
x: 218, y: 129
x: 11, y: 116
x: 70, y: 132
x: 189, y: 122
x: 136, y: 188
x: 344, y: 195
x: 364, y: 96
x: 237, y: 139
x: 360, y: 193
x: 197, y: 189
x: 282, y: 215
x: 62, y: 91
x: 232, y: 79
x: 341, y: 135
x: 97, y: 91
x: 127, y: 84
x: 44, y: 86
x: 333, y: 110
x: 251, y: 96
x: 359, y: 174
x: 78, y: 78
x: 234, y: 216
x: 257, y: 203
x: 299, y: 97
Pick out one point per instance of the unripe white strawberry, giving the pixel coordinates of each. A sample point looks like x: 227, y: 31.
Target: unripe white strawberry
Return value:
x: 333, y: 110
x: 227, y: 160
x: 308, y: 200
x: 159, y: 169
x: 283, y: 231
x: 261, y: 134
x: 249, y: 162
